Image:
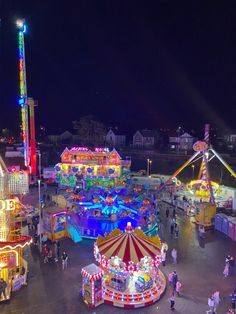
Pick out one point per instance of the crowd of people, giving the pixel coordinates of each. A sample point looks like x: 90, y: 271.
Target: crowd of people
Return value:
x: 53, y: 254
x: 176, y: 285
x: 214, y: 299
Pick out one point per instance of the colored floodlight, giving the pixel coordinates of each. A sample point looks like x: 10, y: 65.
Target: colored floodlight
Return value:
x: 21, y: 101
x: 20, y: 23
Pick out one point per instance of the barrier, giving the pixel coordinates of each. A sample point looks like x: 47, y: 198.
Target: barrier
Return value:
x: 218, y: 222
x: 231, y: 228
x: 225, y: 225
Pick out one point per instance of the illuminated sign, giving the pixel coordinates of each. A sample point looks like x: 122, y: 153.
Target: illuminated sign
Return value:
x: 101, y: 150
x: 8, y: 204
x: 200, y: 146
x: 22, y: 87
x: 9, y: 258
x: 80, y: 149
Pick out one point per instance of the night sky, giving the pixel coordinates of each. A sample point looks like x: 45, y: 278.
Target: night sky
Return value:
x: 132, y: 64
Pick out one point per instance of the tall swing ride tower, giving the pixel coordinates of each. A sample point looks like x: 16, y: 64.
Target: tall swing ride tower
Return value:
x: 27, y: 105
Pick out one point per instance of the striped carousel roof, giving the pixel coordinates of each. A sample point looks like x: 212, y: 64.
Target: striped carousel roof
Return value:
x: 129, y: 246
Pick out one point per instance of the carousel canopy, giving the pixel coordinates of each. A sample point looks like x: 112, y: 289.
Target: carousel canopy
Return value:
x: 132, y: 245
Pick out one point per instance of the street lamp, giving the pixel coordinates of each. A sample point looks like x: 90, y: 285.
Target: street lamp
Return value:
x: 178, y: 131
x: 40, y: 214
x: 149, y: 163
x: 150, y: 167
x: 39, y: 165
x: 193, y: 172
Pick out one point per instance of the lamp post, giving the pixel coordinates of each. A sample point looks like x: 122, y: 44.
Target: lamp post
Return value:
x: 193, y: 172
x: 40, y: 168
x: 39, y: 165
x: 40, y: 214
x: 149, y: 164
x: 150, y: 167
x: 179, y: 131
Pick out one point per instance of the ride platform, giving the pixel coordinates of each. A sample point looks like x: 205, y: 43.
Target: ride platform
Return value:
x: 131, y: 298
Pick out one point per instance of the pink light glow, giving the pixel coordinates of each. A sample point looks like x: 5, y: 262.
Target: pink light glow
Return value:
x: 79, y: 149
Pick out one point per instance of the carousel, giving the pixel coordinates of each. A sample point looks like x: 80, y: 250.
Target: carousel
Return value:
x: 130, y: 261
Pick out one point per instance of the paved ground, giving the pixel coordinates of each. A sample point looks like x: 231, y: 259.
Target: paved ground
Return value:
x: 51, y: 290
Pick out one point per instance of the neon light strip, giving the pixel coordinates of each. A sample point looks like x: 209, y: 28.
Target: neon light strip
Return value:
x: 23, y: 94
x: 16, y: 246
x: 59, y: 213
x: 95, y: 206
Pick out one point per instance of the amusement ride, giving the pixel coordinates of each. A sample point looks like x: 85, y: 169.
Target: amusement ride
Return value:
x: 203, y: 188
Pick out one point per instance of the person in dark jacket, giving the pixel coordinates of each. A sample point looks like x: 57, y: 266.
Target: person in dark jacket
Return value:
x: 231, y: 266
x: 3, y: 286
x: 174, y: 280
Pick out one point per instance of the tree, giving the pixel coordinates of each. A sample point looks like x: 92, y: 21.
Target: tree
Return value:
x: 90, y: 131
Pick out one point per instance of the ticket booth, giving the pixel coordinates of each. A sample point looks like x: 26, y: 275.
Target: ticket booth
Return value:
x: 92, y: 285
x: 13, y: 270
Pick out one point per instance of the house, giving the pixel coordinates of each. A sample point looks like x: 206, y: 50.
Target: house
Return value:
x: 181, y: 142
x: 230, y: 141
x: 144, y: 138
x: 115, y: 139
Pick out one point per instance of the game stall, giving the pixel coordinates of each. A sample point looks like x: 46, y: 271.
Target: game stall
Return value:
x: 54, y: 223
x: 92, y: 290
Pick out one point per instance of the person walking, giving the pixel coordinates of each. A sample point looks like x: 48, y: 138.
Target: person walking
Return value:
x: 178, y: 287
x: 201, y: 231
x: 172, y: 226
x: 163, y: 258
x: 58, y: 249
x: 233, y: 301
x: 226, y: 270
x: 170, y: 278
x: 45, y: 253
x: 64, y: 259
x: 227, y: 259
x: 174, y: 255
x: 36, y: 239
x: 172, y: 301
x: 216, y: 296
x: 231, y: 266
x: 176, y: 231
x: 174, y: 280
x: 3, y: 286
x: 211, y: 305
x: 50, y: 256
x: 167, y: 212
